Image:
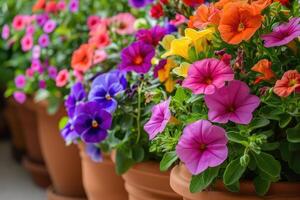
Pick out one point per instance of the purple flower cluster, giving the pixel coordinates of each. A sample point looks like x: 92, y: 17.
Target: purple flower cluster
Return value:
x: 139, y: 3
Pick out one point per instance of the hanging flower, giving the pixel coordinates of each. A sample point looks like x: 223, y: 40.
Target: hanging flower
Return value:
x: 206, y: 76
x: 264, y: 68
x: 139, y: 3
x: 283, y: 34
x: 160, y: 117
x: 5, y: 32
x: 232, y: 103
x: 289, y: 83
x: 205, y: 15
x: 27, y: 42
x: 151, y: 36
x: 44, y: 40
x: 41, y: 19
x: 123, y: 23
x: 93, y: 21
x: 62, y: 78
x: 18, y: 22
x: 74, y: 6
x: 202, y: 145
x: 20, y: 97
x: 105, y: 87
x: 82, y: 58
x: 77, y: 95
x: 239, y: 21
x: 49, y: 26
x: 91, y: 122
x: 137, y: 57
x: 20, y: 81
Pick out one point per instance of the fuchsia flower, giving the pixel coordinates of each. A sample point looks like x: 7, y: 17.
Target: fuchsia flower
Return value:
x: 232, y: 103
x: 20, y: 81
x: 207, y: 75
x: 5, y: 32
x: 42, y: 19
x: 49, y: 26
x: 18, y: 22
x: 74, y: 6
x: 62, y: 78
x: 283, y: 34
x: 20, y: 97
x: 42, y: 84
x: 29, y: 72
x: 151, y: 36
x: 61, y: 5
x: 160, y: 117
x: 36, y: 65
x: 36, y: 52
x: 30, y: 30
x: 93, y: 21
x: 179, y: 19
x: 202, y: 145
x: 27, y: 42
x: 124, y: 23
x: 44, y: 40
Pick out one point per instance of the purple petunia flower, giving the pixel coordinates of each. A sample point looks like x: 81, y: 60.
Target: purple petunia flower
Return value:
x: 42, y: 19
x: 151, y: 36
x: 49, y: 26
x: 20, y: 97
x: 170, y: 28
x: 44, y: 40
x: 91, y: 122
x: 77, y: 94
x: 137, y: 57
x: 42, y: 84
x: 160, y: 117
x: 74, y: 6
x: 69, y: 134
x: 202, y: 145
x: 20, y: 81
x: 139, y: 3
x: 105, y: 87
x: 94, y: 152
x: 52, y: 72
x: 5, y: 32
x: 232, y: 102
x: 283, y: 34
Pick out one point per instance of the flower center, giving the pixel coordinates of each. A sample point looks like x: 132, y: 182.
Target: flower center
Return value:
x: 107, y: 97
x: 202, y: 147
x: 95, y: 124
x: 208, y: 80
x: 231, y: 109
x: 241, y: 27
x: 138, y: 60
x: 122, y: 25
x: 292, y: 83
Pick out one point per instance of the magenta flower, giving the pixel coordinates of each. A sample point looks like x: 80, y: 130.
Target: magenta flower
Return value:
x: 36, y: 52
x: 27, y: 42
x: 283, y: 34
x: 44, y: 40
x: 20, y: 81
x: 74, y: 6
x: 20, y: 97
x: 202, y: 145
x: 151, y: 36
x: 5, y: 32
x: 232, y: 103
x: 207, y: 75
x: 137, y: 57
x: 49, y: 26
x: 42, y: 19
x: 30, y: 30
x: 160, y: 117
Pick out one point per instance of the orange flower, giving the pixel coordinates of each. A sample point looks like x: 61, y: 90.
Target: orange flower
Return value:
x: 239, y: 21
x: 39, y: 5
x: 289, y: 83
x: 264, y: 68
x: 82, y: 58
x: 205, y: 15
x: 258, y: 4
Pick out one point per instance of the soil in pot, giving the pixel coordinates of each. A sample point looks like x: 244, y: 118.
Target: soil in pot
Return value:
x: 145, y: 181
x: 63, y: 162
x: 180, y: 181
x: 100, y: 179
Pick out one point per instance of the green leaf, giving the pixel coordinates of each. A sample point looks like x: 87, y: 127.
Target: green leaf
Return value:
x: 123, y: 163
x: 270, y: 146
x: 233, y: 172
x: 63, y: 122
x: 234, y: 187
x: 41, y: 95
x: 284, y: 120
x: 168, y: 159
x: 203, y: 180
x: 180, y: 95
x: 261, y: 185
x: 258, y: 123
x: 270, y: 112
x: 236, y: 137
x: 268, y: 164
x: 138, y: 154
x: 293, y: 134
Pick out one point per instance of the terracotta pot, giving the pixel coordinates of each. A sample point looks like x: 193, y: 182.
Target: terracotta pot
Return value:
x: 34, y: 161
x: 63, y: 162
x: 145, y: 181
x: 100, y: 179
x: 180, y: 181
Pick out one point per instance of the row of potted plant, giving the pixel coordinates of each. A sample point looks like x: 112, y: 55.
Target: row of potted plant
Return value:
x: 209, y: 89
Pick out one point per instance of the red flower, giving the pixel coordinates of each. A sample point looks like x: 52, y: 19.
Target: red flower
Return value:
x: 193, y: 3
x: 165, y: 2
x: 51, y: 7
x: 39, y: 5
x: 289, y: 83
x: 157, y: 11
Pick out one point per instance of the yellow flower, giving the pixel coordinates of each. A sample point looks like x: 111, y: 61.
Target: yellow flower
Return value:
x: 179, y: 47
x: 166, y: 42
x: 165, y: 77
x: 182, y: 70
x: 200, y: 38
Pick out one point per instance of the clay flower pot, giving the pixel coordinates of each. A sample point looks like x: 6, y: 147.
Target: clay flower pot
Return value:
x: 100, y: 179
x: 145, y: 181
x: 63, y: 162
x: 33, y: 161
x: 180, y: 181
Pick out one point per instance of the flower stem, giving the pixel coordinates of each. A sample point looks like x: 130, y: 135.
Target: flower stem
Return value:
x: 138, y: 118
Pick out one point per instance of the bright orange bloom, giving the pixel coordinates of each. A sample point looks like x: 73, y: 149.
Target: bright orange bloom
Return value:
x: 258, y: 4
x: 264, y: 68
x: 239, y: 21
x: 205, y: 15
x: 82, y: 58
x: 39, y: 5
x: 289, y: 83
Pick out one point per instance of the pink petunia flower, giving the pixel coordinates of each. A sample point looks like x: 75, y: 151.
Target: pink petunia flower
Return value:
x: 283, y: 34
x: 179, y: 19
x: 18, y: 22
x: 5, y: 32
x: 27, y: 42
x: 160, y: 117
x: 61, y: 5
x: 20, y: 81
x: 124, y: 23
x: 100, y: 40
x: 44, y: 40
x: 62, y: 78
x: 36, y: 66
x: 36, y: 52
x: 78, y: 75
x: 20, y: 97
x: 49, y: 26
x: 232, y: 103
x: 207, y: 75
x: 202, y: 145
x: 30, y: 30
x: 99, y: 56
x: 29, y: 72
x: 93, y: 21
